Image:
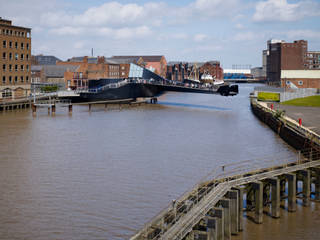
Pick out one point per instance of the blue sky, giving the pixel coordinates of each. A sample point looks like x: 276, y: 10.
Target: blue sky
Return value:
x: 231, y: 31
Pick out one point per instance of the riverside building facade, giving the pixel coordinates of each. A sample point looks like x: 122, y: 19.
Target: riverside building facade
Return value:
x: 15, y: 61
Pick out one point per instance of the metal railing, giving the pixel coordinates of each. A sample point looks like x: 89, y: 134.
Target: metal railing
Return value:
x: 178, y: 218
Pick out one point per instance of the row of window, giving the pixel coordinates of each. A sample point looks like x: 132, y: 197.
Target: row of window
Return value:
x: 9, y: 44
x: 16, y: 56
x: 15, y: 79
x: 16, y: 67
x: 10, y: 32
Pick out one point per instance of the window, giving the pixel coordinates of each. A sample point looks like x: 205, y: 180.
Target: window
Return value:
x: 28, y: 46
x: 16, y: 56
x: 22, y: 45
x: 16, y: 45
x: 27, y: 78
x: 300, y: 83
x: 10, y: 79
x: 122, y: 67
x: 7, y: 93
x: 16, y: 68
x: 4, y: 67
x: 27, y: 57
x: 10, y: 44
x: 288, y: 82
x: 0, y: 30
x: 22, y: 68
x: 28, y: 34
x: 122, y: 73
x: 10, y: 56
x: 27, y: 68
x: 4, y: 55
x: 21, y: 79
x: 21, y: 57
x: 22, y: 34
x: 15, y: 79
x: 4, y: 44
x: 4, y: 79
x: 10, y: 67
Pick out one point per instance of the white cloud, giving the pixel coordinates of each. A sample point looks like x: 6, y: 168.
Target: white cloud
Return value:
x: 239, y: 26
x: 214, y: 8
x: 281, y: 10
x: 303, y: 34
x: 199, y: 37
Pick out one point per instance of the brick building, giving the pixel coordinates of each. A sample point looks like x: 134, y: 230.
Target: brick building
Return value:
x: 282, y: 57
x: 179, y: 71
x: 91, y: 68
x: 15, y: 60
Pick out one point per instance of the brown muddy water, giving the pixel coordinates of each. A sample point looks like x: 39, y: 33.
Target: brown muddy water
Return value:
x: 104, y: 174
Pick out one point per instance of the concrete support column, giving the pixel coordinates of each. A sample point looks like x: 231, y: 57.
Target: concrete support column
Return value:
x: 234, y: 210
x: 197, y: 235
x: 317, y: 183
x: 306, y: 178
x: 258, y: 192
x: 292, y: 192
x: 275, y: 197
x: 89, y: 107
x: 212, y: 224
x: 48, y: 110
x: 240, y: 205
x: 225, y: 204
x: 34, y: 109
x: 218, y: 213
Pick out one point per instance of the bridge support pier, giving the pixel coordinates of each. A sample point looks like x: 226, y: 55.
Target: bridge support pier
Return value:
x: 234, y: 211
x: 275, y: 197
x: 292, y: 192
x: 258, y: 192
x: 317, y: 183
x: 306, y: 187
x: 225, y: 204
x: 240, y: 191
x: 212, y: 224
x: 218, y: 214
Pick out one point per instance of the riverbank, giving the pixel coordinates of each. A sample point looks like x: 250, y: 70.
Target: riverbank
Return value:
x: 298, y: 136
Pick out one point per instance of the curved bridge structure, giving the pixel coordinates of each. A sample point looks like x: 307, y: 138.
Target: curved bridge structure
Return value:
x: 141, y: 88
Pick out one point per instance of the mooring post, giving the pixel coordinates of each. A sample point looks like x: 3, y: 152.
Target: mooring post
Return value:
x: 240, y: 191
x: 275, y: 197
x: 258, y: 192
x: 53, y: 109
x: 105, y: 106
x: 225, y: 204
x: 292, y: 192
x: 306, y: 187
x: 234, y: 210
x: 211, y: 223
x: 89, y: 107
x: 34, y: 109
x: 70, y: 108
x: 218, y: 213
x: 48, y: 110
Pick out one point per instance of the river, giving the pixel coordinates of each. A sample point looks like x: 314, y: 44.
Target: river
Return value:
x: 103, y: 174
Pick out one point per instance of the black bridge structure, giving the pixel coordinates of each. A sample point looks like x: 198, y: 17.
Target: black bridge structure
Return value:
x: 148, y: 88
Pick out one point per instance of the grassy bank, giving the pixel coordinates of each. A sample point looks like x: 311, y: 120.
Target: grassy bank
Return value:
x: 313, y: 101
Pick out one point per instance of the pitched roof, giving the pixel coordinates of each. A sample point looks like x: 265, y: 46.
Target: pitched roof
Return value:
x: 80, y: 59
x: 58, y: 70
x: 150, y: 58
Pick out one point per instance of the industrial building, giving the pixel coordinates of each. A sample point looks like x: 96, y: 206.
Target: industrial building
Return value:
x: 291, y: 63
x: 15, y: 61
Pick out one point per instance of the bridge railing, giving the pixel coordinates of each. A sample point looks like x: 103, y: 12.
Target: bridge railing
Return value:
x: 221, y: 174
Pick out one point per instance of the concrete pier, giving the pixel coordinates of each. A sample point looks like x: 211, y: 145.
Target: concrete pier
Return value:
x: 234, y: 211
x: 240, y: 191
x: 258, y: 193
x: 53, y: 109
x: 212, y: 225
x: 275, y: 197
x: 226, y: 204
x: 70, y: 108
x: 218, y: 213
x: 292, y: 192
x: 306, y: 180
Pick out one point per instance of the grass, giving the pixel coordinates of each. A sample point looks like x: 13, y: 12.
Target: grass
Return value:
x: 313, y: 101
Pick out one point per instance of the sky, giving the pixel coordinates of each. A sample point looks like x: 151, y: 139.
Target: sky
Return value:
x: 230, y: 31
